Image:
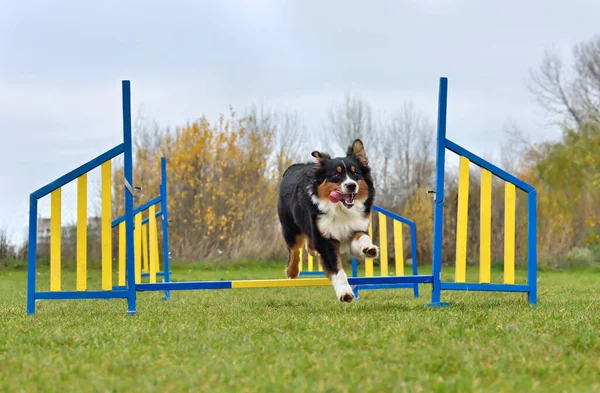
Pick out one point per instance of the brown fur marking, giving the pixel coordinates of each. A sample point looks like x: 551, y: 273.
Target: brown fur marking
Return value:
x: 358, y: 150
x: 293, y: 267
x: 339, y: 169
x: 325, y: 189
x: 363, y: 191
x: 356, y: 236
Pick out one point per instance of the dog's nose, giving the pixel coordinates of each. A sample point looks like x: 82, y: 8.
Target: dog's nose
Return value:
x: 351, y: 187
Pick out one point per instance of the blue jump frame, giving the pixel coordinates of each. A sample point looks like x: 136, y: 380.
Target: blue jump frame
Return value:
x: 129, y: 292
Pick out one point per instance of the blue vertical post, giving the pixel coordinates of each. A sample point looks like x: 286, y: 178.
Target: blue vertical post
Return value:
x: 438, y: 213
x: 413, y: 246
x: 165, y: 224
x: 532, y: 246
x: 128, y: 171
x: 32, y: 255
x: 355, y: 274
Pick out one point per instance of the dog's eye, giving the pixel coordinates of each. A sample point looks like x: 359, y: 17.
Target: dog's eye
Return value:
x: 336, y: 174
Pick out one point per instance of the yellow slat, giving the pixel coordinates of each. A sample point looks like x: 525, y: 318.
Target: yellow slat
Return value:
x: 137, y: 252
x: 485, y: 234
x: 82, y: 232
x: 310, y: 263
x: 278, y: 283
x: 157, y: 249
x: 509, y: 233
x: 383, y: 242
x: 369, y: 261
x: 301, y: 259
x: 462, y: 220
x: 55, y: 234
x: 398, y: 248
x: 106, y: 226
x: 152, y: 241
x: 146, y: 268
x: 319, y: 267
x: 122, y: 253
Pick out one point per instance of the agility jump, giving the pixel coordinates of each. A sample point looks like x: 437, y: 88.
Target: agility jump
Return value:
x: 398, y: 223
x: 132, y: 252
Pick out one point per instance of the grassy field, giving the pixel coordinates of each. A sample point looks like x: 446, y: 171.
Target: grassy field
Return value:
x: 302, y: 340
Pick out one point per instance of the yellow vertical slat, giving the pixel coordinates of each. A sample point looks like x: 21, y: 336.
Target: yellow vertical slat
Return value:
x: 485, y: 234
x: 319, y: 267
x: 310, y: 263
x: 383, y: 243
x: 152, y: 241
x: 369, y: 261
x: 301, y: 259
x: 122, y: 253
x: 106, y: 226
x: 55, y: 233
x: 462, y: 221
x: 146, y: 269
x: 398, y: 248
x: 157, y: 249
x: 509, y: 233
x: 82, y: 233
x: 137, y: 251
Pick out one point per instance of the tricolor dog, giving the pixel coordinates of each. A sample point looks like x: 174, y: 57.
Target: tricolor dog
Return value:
x: 327, y: 205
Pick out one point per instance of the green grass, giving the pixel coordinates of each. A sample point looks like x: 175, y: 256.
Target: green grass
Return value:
x: 302, y: 339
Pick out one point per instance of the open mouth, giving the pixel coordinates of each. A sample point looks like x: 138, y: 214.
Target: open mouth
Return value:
x: 346, y: 199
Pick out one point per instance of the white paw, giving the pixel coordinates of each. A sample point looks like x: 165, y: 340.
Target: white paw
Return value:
x: 343, y: 290
x: 364, y: 248
x: 345, y: 294
x: 371, y: 251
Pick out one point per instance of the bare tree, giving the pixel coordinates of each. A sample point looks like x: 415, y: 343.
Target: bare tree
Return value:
x: 409, y: 142
x: 350, y: 120
x: 289, y: 143
x: 571, y: 95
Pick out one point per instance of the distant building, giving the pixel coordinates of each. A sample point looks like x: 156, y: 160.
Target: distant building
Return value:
x: 43, y: 231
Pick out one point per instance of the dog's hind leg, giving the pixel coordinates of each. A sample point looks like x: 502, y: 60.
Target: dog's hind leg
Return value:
x: 295, y: 241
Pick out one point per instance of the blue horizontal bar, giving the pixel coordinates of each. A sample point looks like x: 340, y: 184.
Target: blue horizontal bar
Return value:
x: 460, y: 286
x: 147, y: 220
x: 461, y: 151
x: 384, y: 286
x: 119, y: 287
x: 81, y: 295
x: 392, y: 215
x: 312, y: 273
x: 158, y: 274
x: 182, y: 286
x: 192, y: 285
x: 389, y: 280
x: 74, y: 174
x: 138, y: 210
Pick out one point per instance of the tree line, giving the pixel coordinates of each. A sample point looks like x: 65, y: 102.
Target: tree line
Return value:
x: 224, y: 175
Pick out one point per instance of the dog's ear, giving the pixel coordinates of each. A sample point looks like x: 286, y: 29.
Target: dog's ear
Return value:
x: 357, y: 149
x: 320, y: 156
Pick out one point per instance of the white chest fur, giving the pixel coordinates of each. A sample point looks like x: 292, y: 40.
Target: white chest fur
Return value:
x: 338, y: 222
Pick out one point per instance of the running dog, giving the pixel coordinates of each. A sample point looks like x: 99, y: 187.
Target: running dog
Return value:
x: 327, y: 205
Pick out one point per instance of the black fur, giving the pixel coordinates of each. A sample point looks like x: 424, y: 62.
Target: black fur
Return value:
x: 298, y: 213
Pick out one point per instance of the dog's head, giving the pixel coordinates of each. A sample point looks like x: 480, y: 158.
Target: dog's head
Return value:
x: 344, y: 179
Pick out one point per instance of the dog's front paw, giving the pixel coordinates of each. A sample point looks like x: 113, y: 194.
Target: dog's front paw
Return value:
x: 345, y: 294
x: 371, y: 251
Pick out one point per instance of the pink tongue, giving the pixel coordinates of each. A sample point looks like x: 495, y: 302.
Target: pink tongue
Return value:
x: 336, y: 196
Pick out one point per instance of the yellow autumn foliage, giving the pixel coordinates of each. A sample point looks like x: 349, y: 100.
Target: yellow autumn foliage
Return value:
x: 222, y: 188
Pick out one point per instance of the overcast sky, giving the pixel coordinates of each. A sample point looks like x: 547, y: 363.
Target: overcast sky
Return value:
x: 61, y: 66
